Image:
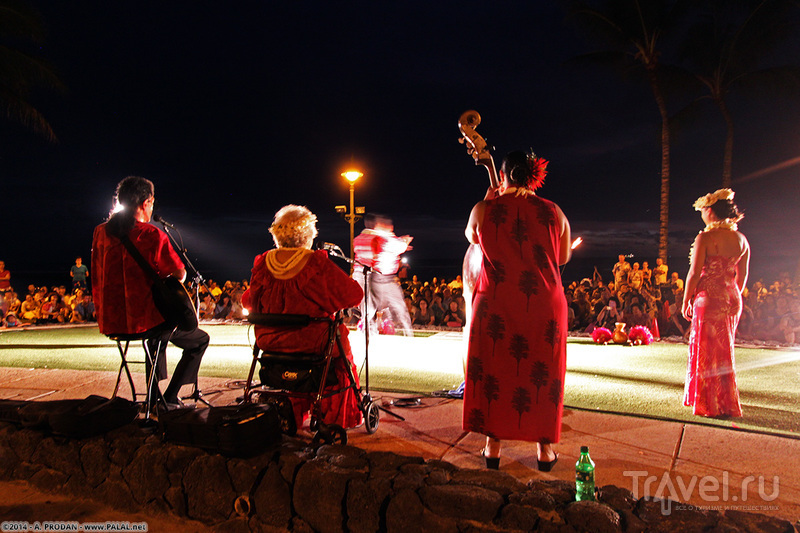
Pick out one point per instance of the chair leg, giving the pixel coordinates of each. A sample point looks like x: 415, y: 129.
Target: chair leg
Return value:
x: 248, y: 390
x: 152, y: 383
x: 123, y: 353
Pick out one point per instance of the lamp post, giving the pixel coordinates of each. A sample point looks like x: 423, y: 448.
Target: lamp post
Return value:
x: 355, y: 212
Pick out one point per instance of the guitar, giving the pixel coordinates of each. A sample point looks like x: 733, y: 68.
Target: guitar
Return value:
x: 169, y: 295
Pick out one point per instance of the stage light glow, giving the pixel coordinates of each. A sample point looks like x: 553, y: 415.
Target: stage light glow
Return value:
x: 117, y: 207
x: 577, y: 242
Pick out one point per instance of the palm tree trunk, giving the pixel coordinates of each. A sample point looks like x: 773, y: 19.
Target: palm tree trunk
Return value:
x: 663, y: 231
x: 727, y: 161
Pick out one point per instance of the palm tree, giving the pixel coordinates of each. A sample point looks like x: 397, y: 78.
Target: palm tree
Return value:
x: 725, y: 49
x: 20, y: 71
x: 632, y: 31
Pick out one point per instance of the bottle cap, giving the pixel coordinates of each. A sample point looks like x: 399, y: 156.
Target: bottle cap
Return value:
x: 584, y: 449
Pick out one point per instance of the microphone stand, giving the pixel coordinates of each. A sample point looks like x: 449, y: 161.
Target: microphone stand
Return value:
x: 197, y: 279
x: 366, y: 270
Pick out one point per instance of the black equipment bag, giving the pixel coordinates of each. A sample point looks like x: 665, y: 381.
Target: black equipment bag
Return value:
x: 78, y: 419
x: 300, y: 377
x: 237, y: 430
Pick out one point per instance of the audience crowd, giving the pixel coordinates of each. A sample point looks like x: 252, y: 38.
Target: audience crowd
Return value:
x: 634, y: 294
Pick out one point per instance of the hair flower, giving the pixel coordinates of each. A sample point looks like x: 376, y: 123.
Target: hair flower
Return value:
x: 711, y: 198
x: 538, y: 171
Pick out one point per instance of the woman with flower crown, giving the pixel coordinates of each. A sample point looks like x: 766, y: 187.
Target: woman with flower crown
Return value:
x: 712, y: 300
x: 293, y: 279
x: 516, y: 356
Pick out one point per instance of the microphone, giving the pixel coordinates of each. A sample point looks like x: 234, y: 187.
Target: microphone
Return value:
x: 157, y: 218
x: 329, y: 246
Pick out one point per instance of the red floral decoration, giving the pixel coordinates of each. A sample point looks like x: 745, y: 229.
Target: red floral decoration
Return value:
x: 601, y: 335
x: 640, y: 335
x: 538, y: 169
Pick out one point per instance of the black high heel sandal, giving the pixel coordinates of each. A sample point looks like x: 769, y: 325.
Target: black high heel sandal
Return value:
x: 492, y: 463
x: 546, y: 466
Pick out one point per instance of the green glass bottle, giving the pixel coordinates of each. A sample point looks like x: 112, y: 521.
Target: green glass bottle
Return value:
x: 584, y: 476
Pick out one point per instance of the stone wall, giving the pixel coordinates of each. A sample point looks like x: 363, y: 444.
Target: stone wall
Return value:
x: 331, y: 489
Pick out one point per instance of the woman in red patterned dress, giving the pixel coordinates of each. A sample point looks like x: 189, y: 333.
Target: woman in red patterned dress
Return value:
x: 516, y: 357
x: 293, y: 279
x: 712, y: 300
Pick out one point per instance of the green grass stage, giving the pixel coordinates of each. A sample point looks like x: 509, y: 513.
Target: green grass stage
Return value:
x: 638, y: 380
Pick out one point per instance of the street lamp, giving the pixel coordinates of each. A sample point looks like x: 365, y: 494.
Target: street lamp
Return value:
x: 355, y: 212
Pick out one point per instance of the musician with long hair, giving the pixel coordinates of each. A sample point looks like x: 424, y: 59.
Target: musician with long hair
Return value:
x: 122, y: 289
x: 516, y: 357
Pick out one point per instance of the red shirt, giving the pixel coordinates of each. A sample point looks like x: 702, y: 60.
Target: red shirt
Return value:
x: 122, y: 290
x: 380, y: 250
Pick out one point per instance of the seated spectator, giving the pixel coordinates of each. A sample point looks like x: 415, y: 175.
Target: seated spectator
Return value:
x: 582, y: 308
x: 457, y: 283
x: 11, y: 321
x: 11, y: 303
x: 676, y: 283
x: 83, y: 309
x: 53, y: 310
x: 437, y: 309
x: 423, y: 315
x: 214, y: 289
x: 224, y: 307
x: 454, y: 317
x: 610, y: 315
x: 237, y: 309
x: 29, y: 310
x: 637, y: 317
x: 206, y: 307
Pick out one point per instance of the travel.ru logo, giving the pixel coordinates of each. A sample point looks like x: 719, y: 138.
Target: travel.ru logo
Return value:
x: 672, y: 489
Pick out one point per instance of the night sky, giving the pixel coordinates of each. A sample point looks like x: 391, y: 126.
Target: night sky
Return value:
x: 236, y: 109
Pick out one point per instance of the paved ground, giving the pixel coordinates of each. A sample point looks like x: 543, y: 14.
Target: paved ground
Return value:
x: 703, y: 466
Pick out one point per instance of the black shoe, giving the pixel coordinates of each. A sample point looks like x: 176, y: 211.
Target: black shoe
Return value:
x: 177, y: 404
x: 492, y: 463
x: 546, y: 466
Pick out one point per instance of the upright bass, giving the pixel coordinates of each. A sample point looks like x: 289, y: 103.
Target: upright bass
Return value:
x: 481, y: 153
x: 476, y: 145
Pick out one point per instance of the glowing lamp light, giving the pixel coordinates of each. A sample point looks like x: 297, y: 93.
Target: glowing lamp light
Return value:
x: 117, y: 207
x: 245, y: 311
x: 352, y: 175
x: 577, y: 242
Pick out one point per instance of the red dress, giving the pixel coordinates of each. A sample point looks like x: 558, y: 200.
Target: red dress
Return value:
x: 517, y: 342
x: 710, y: 376
x: 319, y: 289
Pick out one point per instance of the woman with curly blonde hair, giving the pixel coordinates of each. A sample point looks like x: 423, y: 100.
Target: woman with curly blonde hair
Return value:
x: 294, y: 279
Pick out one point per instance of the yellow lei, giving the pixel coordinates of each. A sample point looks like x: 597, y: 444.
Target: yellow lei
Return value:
x: 728, y: 223
x: 283, y: 269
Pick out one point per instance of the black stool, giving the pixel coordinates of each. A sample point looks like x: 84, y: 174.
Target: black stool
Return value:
x: 123, y: 341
